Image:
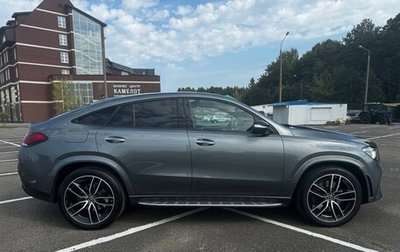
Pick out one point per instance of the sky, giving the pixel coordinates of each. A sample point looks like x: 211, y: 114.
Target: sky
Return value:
x: 202, y: 43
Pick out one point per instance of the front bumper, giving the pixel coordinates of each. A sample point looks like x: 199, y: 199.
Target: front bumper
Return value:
x: 377, y: 196
x: 373, y: 178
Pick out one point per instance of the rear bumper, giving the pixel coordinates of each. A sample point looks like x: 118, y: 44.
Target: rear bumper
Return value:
x: 35, y: 193
x: 34, y: 177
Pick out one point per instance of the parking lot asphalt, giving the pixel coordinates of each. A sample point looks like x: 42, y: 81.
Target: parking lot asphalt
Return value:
x: 28, y: 224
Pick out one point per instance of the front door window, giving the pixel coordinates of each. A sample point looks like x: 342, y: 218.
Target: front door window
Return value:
x: 219, y: 116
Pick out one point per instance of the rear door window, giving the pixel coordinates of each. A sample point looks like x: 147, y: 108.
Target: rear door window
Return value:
x: 123, y: 117
x: 156, y: 114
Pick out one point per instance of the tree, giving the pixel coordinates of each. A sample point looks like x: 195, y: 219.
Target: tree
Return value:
x: 64, y: 96
x: 365, y: 33
x: 388, y: 67
x: 333, y: 71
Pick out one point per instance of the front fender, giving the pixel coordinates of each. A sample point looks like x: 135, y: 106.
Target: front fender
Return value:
x: 294, y: 178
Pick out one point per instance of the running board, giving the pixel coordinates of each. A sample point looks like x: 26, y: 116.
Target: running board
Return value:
x: 204, y: 204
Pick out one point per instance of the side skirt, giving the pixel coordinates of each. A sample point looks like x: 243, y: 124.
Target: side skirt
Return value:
x: 200, y: 201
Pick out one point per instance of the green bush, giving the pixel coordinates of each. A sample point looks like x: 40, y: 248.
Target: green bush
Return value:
x: 3, y: 117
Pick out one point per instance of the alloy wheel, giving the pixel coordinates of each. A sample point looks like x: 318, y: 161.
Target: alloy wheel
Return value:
x: 331, y: 198
x: 89, y: 200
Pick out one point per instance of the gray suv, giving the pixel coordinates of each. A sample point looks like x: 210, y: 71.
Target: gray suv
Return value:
x: 156, y: 149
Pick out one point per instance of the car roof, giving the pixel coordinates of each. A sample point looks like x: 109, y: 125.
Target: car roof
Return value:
x: 138, y: 97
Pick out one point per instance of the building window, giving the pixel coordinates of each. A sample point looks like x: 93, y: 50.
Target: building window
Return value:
x: 15, y: 54
x: 3, y: 39
x: 87, y: 41
x: 62, y: 38
x: 64, y: 57
x: 5, y: 55
x: 1, y: 60
x: 65, y: 71
x: 83, y: 93
x: 7, y: 74
x: 124, y: 73
x: 16, y: 72
x: 62, y: 22
x: 1, y: 77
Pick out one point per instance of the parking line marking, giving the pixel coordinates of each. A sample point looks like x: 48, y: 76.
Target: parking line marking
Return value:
x: 358, y: 132
x: 7, y: 152
x: 6, y: 147
x: 372, y: 138
x: 15, y: 200
x: 8, y: 160
x: 130, y: 231
x: 8, y: 174
x: 368, y: 127
x: 2, y: 141
x: 303, y: 231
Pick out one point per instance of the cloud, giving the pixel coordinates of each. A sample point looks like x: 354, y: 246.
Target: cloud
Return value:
x: 183, y: 10
x: 142, y: 31
x: 214, y: 28
x: 138, y: 4
x: 9, y: 7
x: 155, y: 15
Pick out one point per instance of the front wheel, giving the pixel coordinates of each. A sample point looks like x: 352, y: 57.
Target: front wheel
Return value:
x: 330, y: 196
x: 91, y: 198
x: 365, y: 117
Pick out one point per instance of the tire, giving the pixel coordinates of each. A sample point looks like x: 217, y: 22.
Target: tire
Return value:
x: 325, y: 203
x: 91, y: 198
x: 383, y: 120
x: 365, y: 117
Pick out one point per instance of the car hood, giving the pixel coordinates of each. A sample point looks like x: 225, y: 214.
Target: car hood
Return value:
x: 309, y: 132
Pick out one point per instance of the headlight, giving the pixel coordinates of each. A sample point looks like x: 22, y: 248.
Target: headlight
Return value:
x: 372, y: 152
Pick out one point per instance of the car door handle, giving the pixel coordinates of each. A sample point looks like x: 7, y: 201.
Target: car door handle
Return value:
x: 115, y: 139
x: 204, y: 142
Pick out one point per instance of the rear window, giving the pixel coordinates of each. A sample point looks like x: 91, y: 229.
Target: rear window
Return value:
x: 148, y: 114
x: 99, y: 117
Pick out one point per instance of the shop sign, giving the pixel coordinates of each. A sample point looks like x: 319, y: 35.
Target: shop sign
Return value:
x: 126, y: 89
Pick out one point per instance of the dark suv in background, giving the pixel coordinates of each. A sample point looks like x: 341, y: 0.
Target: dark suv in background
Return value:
x: 157, y: 149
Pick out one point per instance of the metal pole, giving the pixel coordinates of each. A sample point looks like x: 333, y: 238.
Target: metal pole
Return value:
x: 280, y: 68
x: 103, y: 38
x: 367, y: 78
x: 367, y: 82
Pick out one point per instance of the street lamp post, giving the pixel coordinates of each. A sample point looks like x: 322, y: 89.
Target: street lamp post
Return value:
x: 367, y: 78
x: 280, y: 68
x: 103, y: 48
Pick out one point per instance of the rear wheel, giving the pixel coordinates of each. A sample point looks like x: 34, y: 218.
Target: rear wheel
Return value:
x: 329, y: 197
x: 91, y: 198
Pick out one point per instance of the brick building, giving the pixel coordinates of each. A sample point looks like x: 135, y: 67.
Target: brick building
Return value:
x: 56, y: 41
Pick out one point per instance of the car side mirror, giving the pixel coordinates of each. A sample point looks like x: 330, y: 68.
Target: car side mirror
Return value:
x: 261, y: 129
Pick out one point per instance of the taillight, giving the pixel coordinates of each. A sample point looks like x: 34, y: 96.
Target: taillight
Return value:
x: 33, y: 138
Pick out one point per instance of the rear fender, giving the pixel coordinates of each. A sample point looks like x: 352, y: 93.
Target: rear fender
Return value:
x: 90, y: 160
